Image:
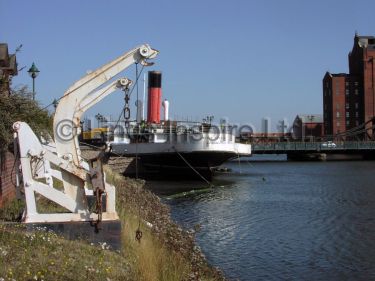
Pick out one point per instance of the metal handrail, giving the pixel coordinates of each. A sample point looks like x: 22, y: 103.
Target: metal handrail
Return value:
x: 314, y: 146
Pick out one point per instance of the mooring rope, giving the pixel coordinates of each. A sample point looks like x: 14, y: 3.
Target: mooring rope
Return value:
x: 187, y: 163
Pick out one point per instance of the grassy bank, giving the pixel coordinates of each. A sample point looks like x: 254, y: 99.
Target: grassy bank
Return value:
x: 165, y: 252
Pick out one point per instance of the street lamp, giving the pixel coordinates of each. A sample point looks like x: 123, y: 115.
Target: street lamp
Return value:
x: 100, y: 119
x: 55, y: 103
x: 33, y: 72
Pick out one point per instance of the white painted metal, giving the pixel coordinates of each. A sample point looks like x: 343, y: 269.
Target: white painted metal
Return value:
x: 68, y: 108
x: 161, y: 142
x: 166, y: 110
x: 144, y: 96
x: 186, y: 145
x: 64, y: 152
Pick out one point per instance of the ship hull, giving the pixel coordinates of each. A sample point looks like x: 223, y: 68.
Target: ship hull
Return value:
x: 192, y: 165
x: 198, y: 160
x: 180, y: 157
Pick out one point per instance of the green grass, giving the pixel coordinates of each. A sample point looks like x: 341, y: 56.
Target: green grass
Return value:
x: 163, y: 254
x: 12, y: 210
x: 42, y: 255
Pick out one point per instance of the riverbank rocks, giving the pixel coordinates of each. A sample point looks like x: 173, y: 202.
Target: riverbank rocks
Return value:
x: 131, y: 193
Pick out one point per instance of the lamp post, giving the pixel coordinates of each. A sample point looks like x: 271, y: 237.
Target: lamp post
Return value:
x: 33, y: 72
x: 100, y: 119
x: 55, y: 103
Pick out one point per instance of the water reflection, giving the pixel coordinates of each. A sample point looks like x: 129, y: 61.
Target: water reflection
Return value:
x: 290, y: 220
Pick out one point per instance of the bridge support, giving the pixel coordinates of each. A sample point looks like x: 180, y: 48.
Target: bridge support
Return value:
x: 299, y: 156
x: 368, y: 155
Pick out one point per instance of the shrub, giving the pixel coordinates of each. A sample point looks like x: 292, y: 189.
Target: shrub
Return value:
x: 12, y: 210
x: 18, y: 106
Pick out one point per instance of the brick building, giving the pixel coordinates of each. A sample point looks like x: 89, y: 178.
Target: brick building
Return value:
x: 7, y: 178
x: 308, y: 127
x: 334, y: 103
x: 8, y: 68
x: 348, y: 99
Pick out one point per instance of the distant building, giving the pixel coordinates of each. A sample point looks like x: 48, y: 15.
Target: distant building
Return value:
x: 266, y: 125
x: 270, y: 137
x: 348, y: 99
x: 308, y: 127
x: 8, y: 68
x: 334, y: 103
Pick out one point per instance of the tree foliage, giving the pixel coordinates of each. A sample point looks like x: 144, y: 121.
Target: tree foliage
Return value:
x: 20, y: 107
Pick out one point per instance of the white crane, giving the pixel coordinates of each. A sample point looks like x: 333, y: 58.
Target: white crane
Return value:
x: 80, y: 179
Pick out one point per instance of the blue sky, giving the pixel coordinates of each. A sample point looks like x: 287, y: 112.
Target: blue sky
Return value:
x: 242, y: 60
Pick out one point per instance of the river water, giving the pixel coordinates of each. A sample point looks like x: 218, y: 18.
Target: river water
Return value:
x: 279, y: 220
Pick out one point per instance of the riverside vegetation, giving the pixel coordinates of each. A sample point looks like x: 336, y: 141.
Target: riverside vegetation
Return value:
x: 165, y: 252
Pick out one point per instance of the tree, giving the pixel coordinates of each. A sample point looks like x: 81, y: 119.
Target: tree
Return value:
x: 20, y: 107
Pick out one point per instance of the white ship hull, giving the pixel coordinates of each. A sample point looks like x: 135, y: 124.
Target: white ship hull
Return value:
x: 181, y: 154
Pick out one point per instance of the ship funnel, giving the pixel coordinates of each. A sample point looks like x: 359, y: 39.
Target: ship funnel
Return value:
x: 166, y: 109
x: 154, y: 97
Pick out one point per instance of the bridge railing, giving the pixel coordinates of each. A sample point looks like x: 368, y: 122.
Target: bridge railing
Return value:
x: 314, y: 146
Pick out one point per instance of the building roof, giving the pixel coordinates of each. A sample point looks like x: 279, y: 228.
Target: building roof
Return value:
x: 336, y: 74
x: 365, y: 36
x: 339, y: 74
x: 365, y: 41
x: 310, y: 118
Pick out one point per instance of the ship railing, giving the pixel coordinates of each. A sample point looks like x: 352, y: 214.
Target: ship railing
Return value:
x: 174, y: 127
x: 175, y: 131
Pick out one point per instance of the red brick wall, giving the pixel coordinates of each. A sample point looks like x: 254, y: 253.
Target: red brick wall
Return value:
x: 338, y: 105
x: 327, y: 104
x: 369, y: 90
x: 7, y: 178
x: 361, y: 66
x: 313, y: 129
x: 334, y: 102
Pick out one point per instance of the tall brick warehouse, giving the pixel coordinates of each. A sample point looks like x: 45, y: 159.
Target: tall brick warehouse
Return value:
x: 348, y: 99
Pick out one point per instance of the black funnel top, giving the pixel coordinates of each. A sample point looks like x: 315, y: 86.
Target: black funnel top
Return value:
x: 154, y: 79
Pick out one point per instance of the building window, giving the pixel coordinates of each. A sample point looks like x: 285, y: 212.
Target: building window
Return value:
x: 347, y: 123
x: 355, y: 83
x: 347, y: 105
x: 347, y: 92
x: 347, y: 114
x: 338, y: 114
x: 338, y: 124
x: 356, y: 114
x: 356, y: 91
x: 356, y: 105
x: 337, y: 106
x: 347, y: 84
x: 357, y: 123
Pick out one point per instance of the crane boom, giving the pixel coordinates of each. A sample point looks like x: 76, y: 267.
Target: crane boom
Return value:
x: 69, y: 105
x: 80, y: 180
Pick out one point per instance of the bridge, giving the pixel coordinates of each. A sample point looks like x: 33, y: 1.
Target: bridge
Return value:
x: 297, y: 149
